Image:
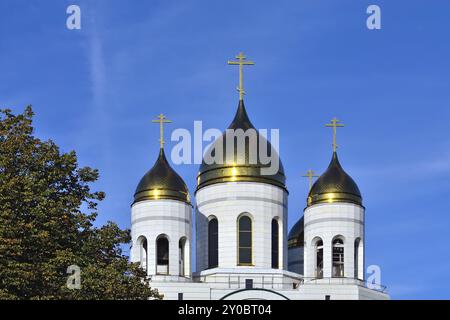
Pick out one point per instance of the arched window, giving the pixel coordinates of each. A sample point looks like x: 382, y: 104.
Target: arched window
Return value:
x: 338, y: 258
x: 162, y: 255
x: 356, y: 258
x: 181, y: 262
x: 213, y: 243
x: 143, y: 256
x: 275, y: 243
x: 245, y: 241
x: 319, y: 258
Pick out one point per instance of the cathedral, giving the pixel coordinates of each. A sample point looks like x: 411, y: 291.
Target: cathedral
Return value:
x: 243, y: 248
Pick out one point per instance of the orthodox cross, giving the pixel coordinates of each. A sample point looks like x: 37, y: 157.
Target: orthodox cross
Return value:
x: 335, y: 123
x: 310, y: 175
x: 241, y: 62
x: 161, y: 120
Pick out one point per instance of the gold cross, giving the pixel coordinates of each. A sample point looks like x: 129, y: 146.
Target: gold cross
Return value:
x: 334, y: 124
x: 161, y: 120
x: 310, y: 175
x: 241, y: 62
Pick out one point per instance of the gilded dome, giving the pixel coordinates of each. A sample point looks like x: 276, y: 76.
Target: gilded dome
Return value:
x: 296, y: 235
x: 242, y: 169
x: 335, y: 185
x: 161, y: 182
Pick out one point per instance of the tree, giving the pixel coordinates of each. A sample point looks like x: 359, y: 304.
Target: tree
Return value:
x: 47, y: 211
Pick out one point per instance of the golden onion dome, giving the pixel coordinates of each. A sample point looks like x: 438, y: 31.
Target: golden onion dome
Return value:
x: 296, y: 235
x: 242, y: 169
x: 335, y: 185
x: 161, y: 182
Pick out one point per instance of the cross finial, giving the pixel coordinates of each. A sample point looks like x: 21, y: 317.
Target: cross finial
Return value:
x: 310, y: 174
x: 161, y: 120
x: 335, y: 123
x: 241, y: 62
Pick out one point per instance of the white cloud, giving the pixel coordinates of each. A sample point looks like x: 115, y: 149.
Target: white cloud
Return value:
x: 97, y: 70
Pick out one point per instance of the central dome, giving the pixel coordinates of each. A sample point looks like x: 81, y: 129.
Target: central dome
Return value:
x: 242, y: 170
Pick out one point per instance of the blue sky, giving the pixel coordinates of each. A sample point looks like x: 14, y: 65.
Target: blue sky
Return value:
x: 95, y: 90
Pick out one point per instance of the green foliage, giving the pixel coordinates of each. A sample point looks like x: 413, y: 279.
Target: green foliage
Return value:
x: 47, y: 212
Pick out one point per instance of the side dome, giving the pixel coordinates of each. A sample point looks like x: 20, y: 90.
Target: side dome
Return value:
x: 335, y: 185
x: 161, y: 182
x: 241, y: 169
x: 296, y: 235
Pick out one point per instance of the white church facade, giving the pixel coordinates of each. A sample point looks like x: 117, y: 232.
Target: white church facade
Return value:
x: 243, y: 248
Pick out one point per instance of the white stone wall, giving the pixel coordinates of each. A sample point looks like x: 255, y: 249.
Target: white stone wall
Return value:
x: 328, y: 220
x: 235, y: 278
x: 263, y: 202
x: 153, y: 218
x: 227, y: 201
x: 348, y: 290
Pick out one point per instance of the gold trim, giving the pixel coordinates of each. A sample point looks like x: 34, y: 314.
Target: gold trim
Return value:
x: 162, y: 194
x: 293, y: 243
x: 333, y: 198
x: 238, y: 174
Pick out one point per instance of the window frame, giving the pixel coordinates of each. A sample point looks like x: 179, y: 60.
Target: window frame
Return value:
x: 160, y: 238
x: 142, y: 243
x: 216, y: 253
x: 275, y: 249
x: 340, y: 265
x: 318, y: 245
x: 239, y: 263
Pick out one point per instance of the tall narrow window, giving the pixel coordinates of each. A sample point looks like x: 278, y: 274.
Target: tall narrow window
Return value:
x: 181, y: 248
x: 319, y: 259
x: 162, y: 255
x: 244, y: 241
x: 275, y: 244
x: 143, y: 256
x: 356, y: 258
x: 213, y: 243
x: 338, y: 258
